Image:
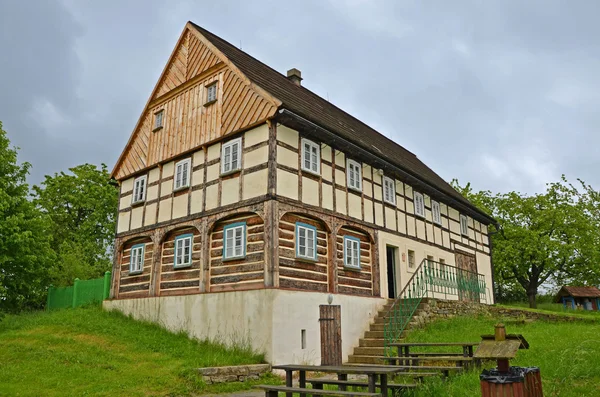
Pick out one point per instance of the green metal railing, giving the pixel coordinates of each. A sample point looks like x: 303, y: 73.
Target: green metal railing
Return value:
x: 431, y: 280
x: 80, y: 293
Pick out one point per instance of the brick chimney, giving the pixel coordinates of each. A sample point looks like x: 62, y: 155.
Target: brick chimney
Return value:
x: 295, y: 76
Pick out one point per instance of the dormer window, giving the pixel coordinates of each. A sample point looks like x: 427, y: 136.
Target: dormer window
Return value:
x: 211, y: 93
x: 158, y: 120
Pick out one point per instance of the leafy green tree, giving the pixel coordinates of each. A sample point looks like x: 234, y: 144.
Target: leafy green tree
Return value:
x: 550, y: 237
x: 82, y: 206
x: 25, y: 252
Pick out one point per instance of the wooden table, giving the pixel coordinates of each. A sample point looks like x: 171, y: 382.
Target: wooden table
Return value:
x: 405, y: 356
x: 372, y: 372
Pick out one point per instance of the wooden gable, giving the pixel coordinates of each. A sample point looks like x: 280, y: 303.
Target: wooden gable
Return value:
x: 188, y: 122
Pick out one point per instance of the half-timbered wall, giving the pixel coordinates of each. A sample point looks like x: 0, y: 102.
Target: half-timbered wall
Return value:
x: 355, y: 281
x: 243, y: 273
x: 135, y: 285
x: 184, y: 280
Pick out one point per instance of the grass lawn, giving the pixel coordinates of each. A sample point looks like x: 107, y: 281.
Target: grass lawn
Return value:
x: 567, y: 353
x: 87, y: 351
x: 554, y: 308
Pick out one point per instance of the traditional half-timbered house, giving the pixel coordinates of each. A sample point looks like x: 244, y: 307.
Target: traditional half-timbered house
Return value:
x: 246, y: 201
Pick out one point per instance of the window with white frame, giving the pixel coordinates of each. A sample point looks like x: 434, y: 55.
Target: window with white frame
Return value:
x: 354, y: 174
x: 419, y: 204
x: 435, y: 211
x: 211, y: 93
x: 311, y: 156
x: 182, y: 174
x: 136, y: 259
x: 351, y: 252
x: 183, y: 250
x: 306, y: 241
x: 158, y: 119
x: 464, y: 225
x: 230, y: 156
x: 411, y: 258
x: 139, y: 190
x: 234, y: 240
x: 389, y: 190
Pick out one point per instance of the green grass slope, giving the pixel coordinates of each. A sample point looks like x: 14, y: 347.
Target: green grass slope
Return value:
x: 87, y: 351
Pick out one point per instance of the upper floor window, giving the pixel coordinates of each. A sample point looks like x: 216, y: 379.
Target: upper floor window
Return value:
x: 136, y: 261
x: 230, y: 156
x: 234, y: 237
x: 211, y: 93
x: 464, y: 225
x: 311, y: 156
x: 158, y: 119
x: 183, y: 250
x: 351, y: 252
x: 354, y: 174
x: 182, y: 174
x: 419, y: 204
x: 435, y: 211
x: 306, y: 241
x: 139, y: 189
x: 389, y: 190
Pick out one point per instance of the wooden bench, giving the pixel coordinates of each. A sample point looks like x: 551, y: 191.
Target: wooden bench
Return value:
x: 444, y: 370
x: 273, y: 391
x: 414, y: 360
x: 343, y: 384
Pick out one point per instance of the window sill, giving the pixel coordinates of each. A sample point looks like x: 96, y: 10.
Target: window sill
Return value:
x: 311, y: 172
x: 138, y: 203
x: 354, y: 189
x: 233, y: 258
x: 179, y: 189
x: 157, y: 128
x: 175, y: 267
x: 420, y: 215
x: 392, y: 203
x: 228, y: 173
x: 352, y: 268
x: 307, y: 260
x: 136, y: 273
x: 207, y: 104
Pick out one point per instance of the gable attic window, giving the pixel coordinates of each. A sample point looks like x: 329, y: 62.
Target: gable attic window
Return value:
x: 182, y: 174
x: 230, y: 156
x: 464, y: 225
x: 435, y: 210
x: 158, y: 120
x: 139, y: 190
x: 354, y: 175
x: 389, y: 190
x: 211, y: 94
x: 419, y: 204
x: 311, y: 157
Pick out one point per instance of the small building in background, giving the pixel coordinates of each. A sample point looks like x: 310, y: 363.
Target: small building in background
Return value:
x: 585, y: 298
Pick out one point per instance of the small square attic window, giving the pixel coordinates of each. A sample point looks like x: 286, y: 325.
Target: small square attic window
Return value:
x: 158, y: 120
x: 211, y: 93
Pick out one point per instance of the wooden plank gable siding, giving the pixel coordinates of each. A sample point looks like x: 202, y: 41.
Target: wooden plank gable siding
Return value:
x: 185, y: 280
x: 243, y: 273
x: 355, y: 281
x: 298, y: 273
x: 135, y: 285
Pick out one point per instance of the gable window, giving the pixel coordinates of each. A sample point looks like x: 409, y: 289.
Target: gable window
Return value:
x: 419, y: 204
x: 354, y: 174
x: 464, y: 225
x: 234, y: 240
x: 351, y: 252
x: 158, y: 119
x: 139, y: 190
x: 389, y: 190
x: 136, y: 261
x: 306, y: 241
x: 311, y: 156
x: 435, y: 211
x: 182, y: 174
x: 183, y: 250
x: 230, y: 156
x: 211, y: 93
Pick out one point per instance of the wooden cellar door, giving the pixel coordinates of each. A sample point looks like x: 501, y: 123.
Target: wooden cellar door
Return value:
x: 330, y: 321
x: 467, y: 276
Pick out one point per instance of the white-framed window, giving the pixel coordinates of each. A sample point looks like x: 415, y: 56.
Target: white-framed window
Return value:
x: 389, y: 190
x: 230, y: 156
x: 234, y: 240
x: 411, y: 259
x: 311, y: 156
x: 158, y: 119
x: 136, y: 259
x: 419, y: 204
x: 354, y: 174
x: 182, y: 174
x: 183, y: 250
x: 211, y: 93
x: 139, y: 190
x: 435, y: 212
x: 352, y: 252
x: 464, y: 225
x: 306, y: 241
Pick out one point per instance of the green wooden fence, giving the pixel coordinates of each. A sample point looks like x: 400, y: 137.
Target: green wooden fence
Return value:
x: 80, y: 293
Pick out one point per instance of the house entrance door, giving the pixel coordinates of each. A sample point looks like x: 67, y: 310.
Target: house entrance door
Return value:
x: 390, y: 253
x: 466, y: 277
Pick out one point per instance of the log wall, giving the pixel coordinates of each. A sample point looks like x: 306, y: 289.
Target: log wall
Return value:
x: 355, y: 281
x: 136, y: 285
x: 177, y: 281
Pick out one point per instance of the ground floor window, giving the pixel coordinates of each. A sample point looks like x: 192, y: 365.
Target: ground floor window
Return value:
x: 351, y: 252
x: 183, y: 250
x: 234, y: 237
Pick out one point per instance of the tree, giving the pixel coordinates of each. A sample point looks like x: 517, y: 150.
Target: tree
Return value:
x: 82, y: 206
x: 550, y: 237
x: 25, y: 252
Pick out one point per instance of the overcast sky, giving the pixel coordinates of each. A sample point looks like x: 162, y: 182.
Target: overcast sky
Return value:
x: 503, y: 94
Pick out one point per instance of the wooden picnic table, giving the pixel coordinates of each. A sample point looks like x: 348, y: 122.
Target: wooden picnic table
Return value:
x: 405, y: 356
x: 342, y: 371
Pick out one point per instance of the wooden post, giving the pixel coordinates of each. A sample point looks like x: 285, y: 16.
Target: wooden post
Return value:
x: 330, y: 319
x: 75, y: 285
x: 500, y: 335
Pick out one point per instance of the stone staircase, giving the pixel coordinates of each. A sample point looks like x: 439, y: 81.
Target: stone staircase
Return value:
x: 371, y: 348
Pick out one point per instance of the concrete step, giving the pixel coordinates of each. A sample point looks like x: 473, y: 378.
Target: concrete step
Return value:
x: 356, y: 359
x: 374, y: 335
x: 369, y: 351
x: 371, y: 342
x: 381, y: 318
